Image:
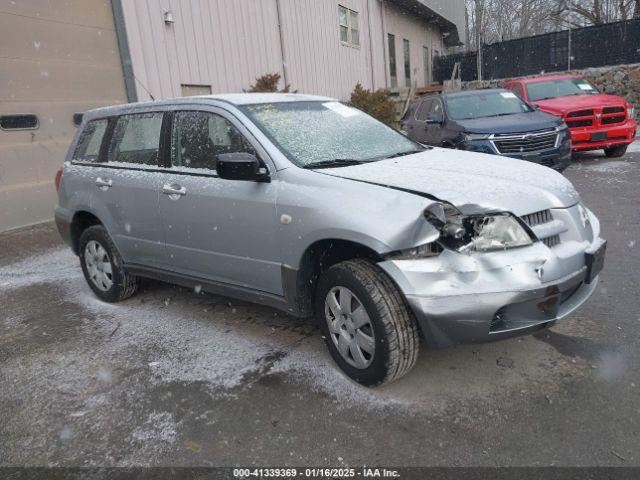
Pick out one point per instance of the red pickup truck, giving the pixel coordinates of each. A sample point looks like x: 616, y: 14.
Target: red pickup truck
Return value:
x: 596, y: 121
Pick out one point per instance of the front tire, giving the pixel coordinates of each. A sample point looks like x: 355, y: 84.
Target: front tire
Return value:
x: 367, y: 326
x: 102, y: 266
x: 616, y: 152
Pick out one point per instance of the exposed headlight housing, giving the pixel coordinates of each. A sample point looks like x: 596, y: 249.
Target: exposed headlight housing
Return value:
x: 480, y: 233
x: 497, y: 232
x: 630, y: 113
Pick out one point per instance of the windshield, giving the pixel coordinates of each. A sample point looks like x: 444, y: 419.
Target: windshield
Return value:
x: 559, y: 88
x: 489, y: 104
x: 310, y: 133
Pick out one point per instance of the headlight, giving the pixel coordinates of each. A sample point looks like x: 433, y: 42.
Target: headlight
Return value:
x: 467, y: 137
x: 480, y: 233
x: 497, y: 232
x: 630, y: 113
x: 563, y: 127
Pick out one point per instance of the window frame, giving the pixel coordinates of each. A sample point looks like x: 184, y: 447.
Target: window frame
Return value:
x: 21, y: 129
x: 350, y: 14
x: 172, y: 138
x: 139, y: 166
x: 166, y: 165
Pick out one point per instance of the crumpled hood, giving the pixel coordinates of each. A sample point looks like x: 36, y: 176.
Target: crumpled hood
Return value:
x: 473, y: 182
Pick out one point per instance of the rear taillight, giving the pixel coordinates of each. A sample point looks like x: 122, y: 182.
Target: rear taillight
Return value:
x: 58, y: 178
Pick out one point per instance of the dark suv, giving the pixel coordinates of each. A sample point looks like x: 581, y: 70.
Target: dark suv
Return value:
x: 493, y: 121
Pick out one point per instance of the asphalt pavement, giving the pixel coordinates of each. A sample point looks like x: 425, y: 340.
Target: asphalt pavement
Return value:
x: 178, y: 377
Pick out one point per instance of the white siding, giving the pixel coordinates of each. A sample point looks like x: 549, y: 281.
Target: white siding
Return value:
x: 228, y: 43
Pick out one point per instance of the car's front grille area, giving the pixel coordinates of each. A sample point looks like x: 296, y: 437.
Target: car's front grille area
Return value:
x: 611, y: 120
x: 537, y: 218
x: 607, y: 110
x: 524, y: 143
x: 545, y: 227
x: 580, y: 113
x: 579, y: 123
x: 551, y: 241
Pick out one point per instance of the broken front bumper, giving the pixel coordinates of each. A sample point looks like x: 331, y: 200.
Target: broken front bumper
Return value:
x: 468, y: 298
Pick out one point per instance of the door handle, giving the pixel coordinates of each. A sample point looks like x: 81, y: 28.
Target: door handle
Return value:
x: 104, y: 184
x: 174, y: 190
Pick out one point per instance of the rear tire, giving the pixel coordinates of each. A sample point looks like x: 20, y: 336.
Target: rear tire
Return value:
x: 616, y: 152
x: 377, y: 352
x: 103, y: 267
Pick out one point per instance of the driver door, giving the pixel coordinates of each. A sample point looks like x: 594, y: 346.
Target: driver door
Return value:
x: 216, y: 229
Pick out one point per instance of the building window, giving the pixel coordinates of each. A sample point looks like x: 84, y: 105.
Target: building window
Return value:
x: 349, y: 30
x: 426, y: 65
x: 19, y: 122
x: 393, y: 74
x: 407, y: 62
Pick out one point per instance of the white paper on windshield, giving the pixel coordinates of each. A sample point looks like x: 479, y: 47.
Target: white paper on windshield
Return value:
x: 508, y: 94
x: 341, y: 109
x: 584, y: 86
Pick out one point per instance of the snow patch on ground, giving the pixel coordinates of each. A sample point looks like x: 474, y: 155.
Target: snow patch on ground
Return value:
x: 634, y: 147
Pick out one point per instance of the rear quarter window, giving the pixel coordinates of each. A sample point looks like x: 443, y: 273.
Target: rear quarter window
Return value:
x: 88, y: 148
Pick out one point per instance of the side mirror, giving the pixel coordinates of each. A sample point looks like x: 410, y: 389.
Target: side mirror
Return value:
x: 241, y: 166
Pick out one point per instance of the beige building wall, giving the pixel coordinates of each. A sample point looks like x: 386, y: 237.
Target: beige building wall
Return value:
x: 226, y: 44
x: 56, y: 58
x: 421, y: 36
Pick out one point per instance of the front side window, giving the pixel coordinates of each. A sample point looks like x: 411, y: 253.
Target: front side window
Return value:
x: 422, y: 114
x: 407, y: 62
x: 136, y: 139
x: 349, y: 29
x: 88, y: 148
x: 485, y: 104
x: 199, y: 137
x: 313, y: 132
x: 559, y: 88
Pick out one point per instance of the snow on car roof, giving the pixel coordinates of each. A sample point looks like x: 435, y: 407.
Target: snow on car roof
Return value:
x: 252, y: 98
x: 232, y: 98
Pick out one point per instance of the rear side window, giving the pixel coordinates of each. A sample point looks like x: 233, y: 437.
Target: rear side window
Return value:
x: 198, y: 137
x: 136, y: 139
x: 88, y: 149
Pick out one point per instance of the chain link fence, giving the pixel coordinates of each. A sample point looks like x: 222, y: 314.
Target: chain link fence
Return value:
x: 601, y: 45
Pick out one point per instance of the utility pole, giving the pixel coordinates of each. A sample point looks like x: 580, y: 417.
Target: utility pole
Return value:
x: 569, y: 49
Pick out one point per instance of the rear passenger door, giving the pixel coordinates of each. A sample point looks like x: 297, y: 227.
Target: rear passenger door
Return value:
x: 216, y: 229
x: 126, y: 187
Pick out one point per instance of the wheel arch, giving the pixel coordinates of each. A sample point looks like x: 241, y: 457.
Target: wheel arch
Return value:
x: 300, y: 283
x: 82, y: 220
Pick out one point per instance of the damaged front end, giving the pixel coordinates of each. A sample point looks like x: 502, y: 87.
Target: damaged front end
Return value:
x: 488, y: 276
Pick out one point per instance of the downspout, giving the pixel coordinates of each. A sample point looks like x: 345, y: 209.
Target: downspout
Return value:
x: 282, y: 51
x: 384, y: 44
x: 373, y: 76
x: 123, y: 49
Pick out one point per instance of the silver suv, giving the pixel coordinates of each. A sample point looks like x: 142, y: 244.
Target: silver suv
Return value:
x: 310, y: 206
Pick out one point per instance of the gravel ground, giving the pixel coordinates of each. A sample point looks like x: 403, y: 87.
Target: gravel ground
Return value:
x: 177, y: 377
